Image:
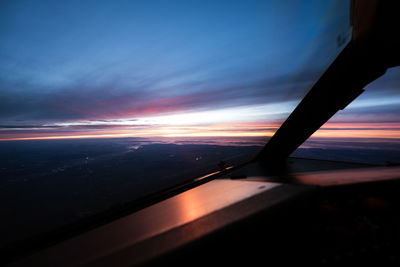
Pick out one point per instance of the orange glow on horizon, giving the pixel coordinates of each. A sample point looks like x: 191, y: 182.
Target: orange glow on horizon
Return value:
x: 372, y: 125
x: 224, y: 130
x: 329, y: 130
x: 388, y: 134
x: 359, y: 130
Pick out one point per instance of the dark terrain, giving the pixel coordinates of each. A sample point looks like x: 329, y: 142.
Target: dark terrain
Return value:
x: 45, y: 184
x: 50, y: 183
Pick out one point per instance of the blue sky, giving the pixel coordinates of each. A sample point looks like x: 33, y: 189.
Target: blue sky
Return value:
x: 77, y: 62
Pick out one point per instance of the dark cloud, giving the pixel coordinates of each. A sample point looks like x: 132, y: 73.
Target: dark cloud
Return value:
x: 121, y: 97
x: 383, y: 113
x: 5, y: 127
x: 112, y: 100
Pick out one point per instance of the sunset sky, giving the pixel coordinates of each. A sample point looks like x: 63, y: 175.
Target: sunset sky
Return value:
x: 76, y: 69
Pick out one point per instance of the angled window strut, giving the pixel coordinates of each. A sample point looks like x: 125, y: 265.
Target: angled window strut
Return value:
x: 374, y: 48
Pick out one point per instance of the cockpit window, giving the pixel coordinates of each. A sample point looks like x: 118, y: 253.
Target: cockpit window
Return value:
x: 367, y: 131
x: 105, y: 102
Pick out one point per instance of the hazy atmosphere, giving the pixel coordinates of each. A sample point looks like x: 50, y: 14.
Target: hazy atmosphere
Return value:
x: 103, y: 103
x: 76, y: 69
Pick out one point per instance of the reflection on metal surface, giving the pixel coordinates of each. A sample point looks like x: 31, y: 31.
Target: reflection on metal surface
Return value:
x: 211, y: 174
x: 205, y: 199
x: 343, y: 177
x: 148, y: 223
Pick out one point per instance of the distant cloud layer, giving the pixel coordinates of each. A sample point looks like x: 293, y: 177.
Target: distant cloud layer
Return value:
x: 75, y: 64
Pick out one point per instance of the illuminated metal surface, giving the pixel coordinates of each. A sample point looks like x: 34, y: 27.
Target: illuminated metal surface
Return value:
x: 327, y: 178
x: 343, y: 177
x: 148, y: 223
x: 183, y: 218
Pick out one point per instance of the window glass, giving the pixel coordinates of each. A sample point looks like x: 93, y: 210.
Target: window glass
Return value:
x: 104, y: 102
x: 367, y: 131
